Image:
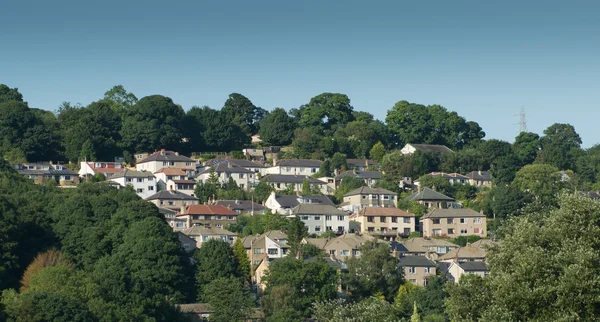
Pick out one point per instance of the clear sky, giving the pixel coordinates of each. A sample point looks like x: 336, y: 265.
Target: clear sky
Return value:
x: 481, y: 59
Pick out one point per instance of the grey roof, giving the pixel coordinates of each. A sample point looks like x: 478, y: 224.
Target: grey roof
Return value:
x: 285, y: 178
x: 369, y: 190
x: 591, y: 194
x: 48, y: 172
x: 449, y: 175
x: 306, y: 209
x: 354, y: 163
x: 360, y: 174
x: 165, y: 155
x: 291, y: 201
x: 170, y: 195
x: 299, y: 163
x: 428, y: 194
x: 431, y: 148
x: 416, y: 261
x: 474, y: 266
x: 132, y: 174
x: 167, y: 212
x: 239, y: 163
x: 226, y: 167
x: 480, y: 175
x: 452, y: 212
x: 243, y: 205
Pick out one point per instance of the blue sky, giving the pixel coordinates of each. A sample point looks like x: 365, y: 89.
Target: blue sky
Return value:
x: 480, y: 59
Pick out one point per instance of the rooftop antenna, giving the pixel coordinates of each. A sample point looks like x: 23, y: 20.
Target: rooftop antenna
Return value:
x: 522, y: 120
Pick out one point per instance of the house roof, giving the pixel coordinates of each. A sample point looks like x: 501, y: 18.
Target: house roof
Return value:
x: 48, y: 172
x: 291, y: 201
x: 259, y: 241
x: 419, y: 244
x: 286, y: 178
x: 384, y: 212
x: 473, y: 266
x: 368, y: 191
x: 239, y: 163
x: 208, y: 210
x: 132, y: 174
x: 318, y: 242
x: 431, y: 148
x: 166, y: 211
x: 428, y: 194
x: 352, y: 241
x: 225, y: 167
x: 452, y: 213
x: 242, y: 205
x: 484, y: 243
x: 445, y: 175
x: 480, y: 175
x: 92, y: 165
x: 172, y: 171
x: 185, y: 181
x: 353, y: 163
x: 464, y: 252
x: 416, y: 261
x: 171, y: 195
x: 203, y: 231
x: 166, y: 155
x: 360, y: 174
x: 254, y: 152
x: 308, y: 209
x: 299, y: 163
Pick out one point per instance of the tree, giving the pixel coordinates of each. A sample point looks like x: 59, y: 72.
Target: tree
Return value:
x: 415, y: 317
x: 277, y: 128
x: 508, y: 201
x: 262, y: 191
x: 526, y: 147
x: 542, y: 181
x: 215, y: 259
x: 439, y: 183
x: 242, y: 258
x: 228, y: 300
x: 468, y: 298
x: 213, y: 130
x: 296, y: 231
x: 119, y: 99
x: 377, y: 152
x: 281, y: 303
x: 348, y: 183
x: 326, y: 112
x: 560, y: 146
x: 9, y: 94
x: 369, y: 309
x: 374, y: 272
x: 153, y: 122
x: 338, y: 162
x: 239, y: 110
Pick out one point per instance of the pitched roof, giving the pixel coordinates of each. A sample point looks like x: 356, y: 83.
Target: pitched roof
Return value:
x: 368, y: 191
x: 428, y: 194
x: 445, y: 175
x: 185, y: 181
x: 352, y: 241
x: 452, y: 212
x: 353, y: 163
x: 48, y: 172
x: 287, y: 178
x: 474, y: 266
x: 384, y: 212
x: 464, y: 252
x: 172, y: 171
x: 242, y: 205
x: 299, y: 163
x: 416, y: 261
x: 318, y: 242
x: 480, y: 175
x: 360, y: 174
x: 92, y: 166
x: 203, y: 231
x: 209, y: 210
x: 226, y: 167
x: 291, y: 201
x: 484, y: 243
x: 239, y: 163
x: 431, y: 148
x: 166, y: 155
x: 171, y: 195
x: 132, y: 174
x: 308, y: 209
x: 418, y: 244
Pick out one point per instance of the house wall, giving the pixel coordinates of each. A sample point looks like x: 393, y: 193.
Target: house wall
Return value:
x: 246, y: 181
x: 319, y: 224
x: 144, y: 187
x: 279, y: 186
x: 154, y: 166
x: 341, y: 250
x: 419, y: 275
x: 357, y: 202
x: 454, y: 229
x: 169, y: 203
x: 271, y: 245
x: 176, y: 187
x: 308, y: 171
x: 387, y: 226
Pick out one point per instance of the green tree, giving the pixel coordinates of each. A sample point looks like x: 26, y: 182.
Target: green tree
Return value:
x: 242, y: 258
x: 347, y: 184
x: 526, y: 147
x: 10, y: 94
x: 415, y: 317
x: 560, y: 146
x: 377, y: 152
x: 508, y: 201
x: 376, y: 271
x: 228, y: 299
x: 277, y: 128
x: 262, y: 191
x: 119, y: 99
x: 542, y: 181
x: 281, y: 303
x: 369, y: 309
x: 239, y: 110
x: 338, y: 162
x: 215, y: 259
x: 468, y: 299
x: 296, y: 231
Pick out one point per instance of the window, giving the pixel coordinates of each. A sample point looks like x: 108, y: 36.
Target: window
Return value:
x: 170, y: 202
x: 355, y: 252
x: 364, y: 197
x: 67, y: 177
x: 150, y: 188
x: 328, y: 217
x: 340, y: 228
x: 332, y: 252
x: 371, y: 229
x: 370, y: 219
x: 301, y: 170
x: 406, y: 220
x: 382, y: 219
x: 304, y: 217
x: 476, y: 230
x: 229, y: 217
x: 241, y: 176
x: 317, y: 217
x: 394, y: 219
x: 317, y: 228
x: 412, y: 270
x: 313, y: 170
x: 450, y: 220
x: 437, y: 232
x: 463, y: 230
x: 426, y: 270
x: 436, y: 221
x: 288, y: 169
x: 273, y: 251
x: 341, y: 218
x: 413, y: 281
x: 241, y: 185
x: 219, y: 217
x: 477, y: 220
x: 386, y: 197
x: 450, y: 231
x: 188, y: 164
x: 463, y: 220
x: 278, y: 185
x: 171, y: 163
x: 258, y: 251
x: 139, y: 190
x: 162, y: 202
x: 374, y: 196
x: 128, y: 179
x: 140, y: 179
x: 345, y: 252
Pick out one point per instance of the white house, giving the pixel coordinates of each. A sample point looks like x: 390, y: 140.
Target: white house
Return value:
x: 252, y: 166
x: 244, y: 178
x: 456, y: 270
x: 166, y: 159
x: 283, y: 181
x: 183, y: 186
x: 322, y: 218
x: 108, y: 169
x: 283, y: 204
x: 165, y: 174
x: 143, y: 182
x: 295, y: 167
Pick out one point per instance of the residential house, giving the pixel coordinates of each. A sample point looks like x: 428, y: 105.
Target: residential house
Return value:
x: 171, y: 218
x: 362, y: 165
x: 417, y: 269
x: 41, y: 173
x: 431, y: 198
x: 166, y: 159
x: 342, y: 247
x: 107, y: 169
x: 370, y: 177
x: 254, y: 154
x: 282, y: 182
x: 183, y: 186
x: 453, y: 223
x: 295, y: 167
x: 480, y: 178
x: 172, y: 199
x: 456, y: 270
x: 188, y: 243
x: 270, y: 245
x: 369, y: 197
x: 453, y: 178
x: 143, y: 182
x: 203, y: 234
x: 244, y: 178
x: 200, y: 312
x: 385, y: 222
x: 165, y: 174
x: 411, y: 148
x: 283, y: 204
x: 464, y: 254
x: 431, y: 248
x: 242, y: 206
x: 321, y: 218
x: 252, y: 166
x: 208, y: 216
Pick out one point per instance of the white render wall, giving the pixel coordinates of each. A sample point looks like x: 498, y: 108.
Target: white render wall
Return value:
x: 154, y: 166
x: 321, y: 220
x: 142, y: 186
x: 307, y: 171
x: 246, y: 181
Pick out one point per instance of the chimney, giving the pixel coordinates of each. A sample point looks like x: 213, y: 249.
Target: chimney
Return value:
x: 298, y: 255
x: 479, y: 171
x: 229, y: 164
x: 182, y: 209
x: 274, y: 161
x: 176, y: 153
x: 419, y: 188
x: 367, y: 163
x: 189, y: 222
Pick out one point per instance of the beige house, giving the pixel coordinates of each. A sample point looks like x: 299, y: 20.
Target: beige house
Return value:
x: 385, y: 222
x: 431, y: 198
x: 453, y: 223
x: 431, y: 248
x: 201, y: 235
x: 173, y: 200
x: 270, y: 245
x: 166, y: 159
x: 480, y: 179
x: 41, y: 173
x: 464, y: 254
x: 417, y: 269
x: 369, y: 197
x: 457, y: 270
x: 208, y: 216
x: 341, y: 247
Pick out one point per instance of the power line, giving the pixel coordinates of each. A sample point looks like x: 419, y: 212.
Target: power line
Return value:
x: 522, y: 120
